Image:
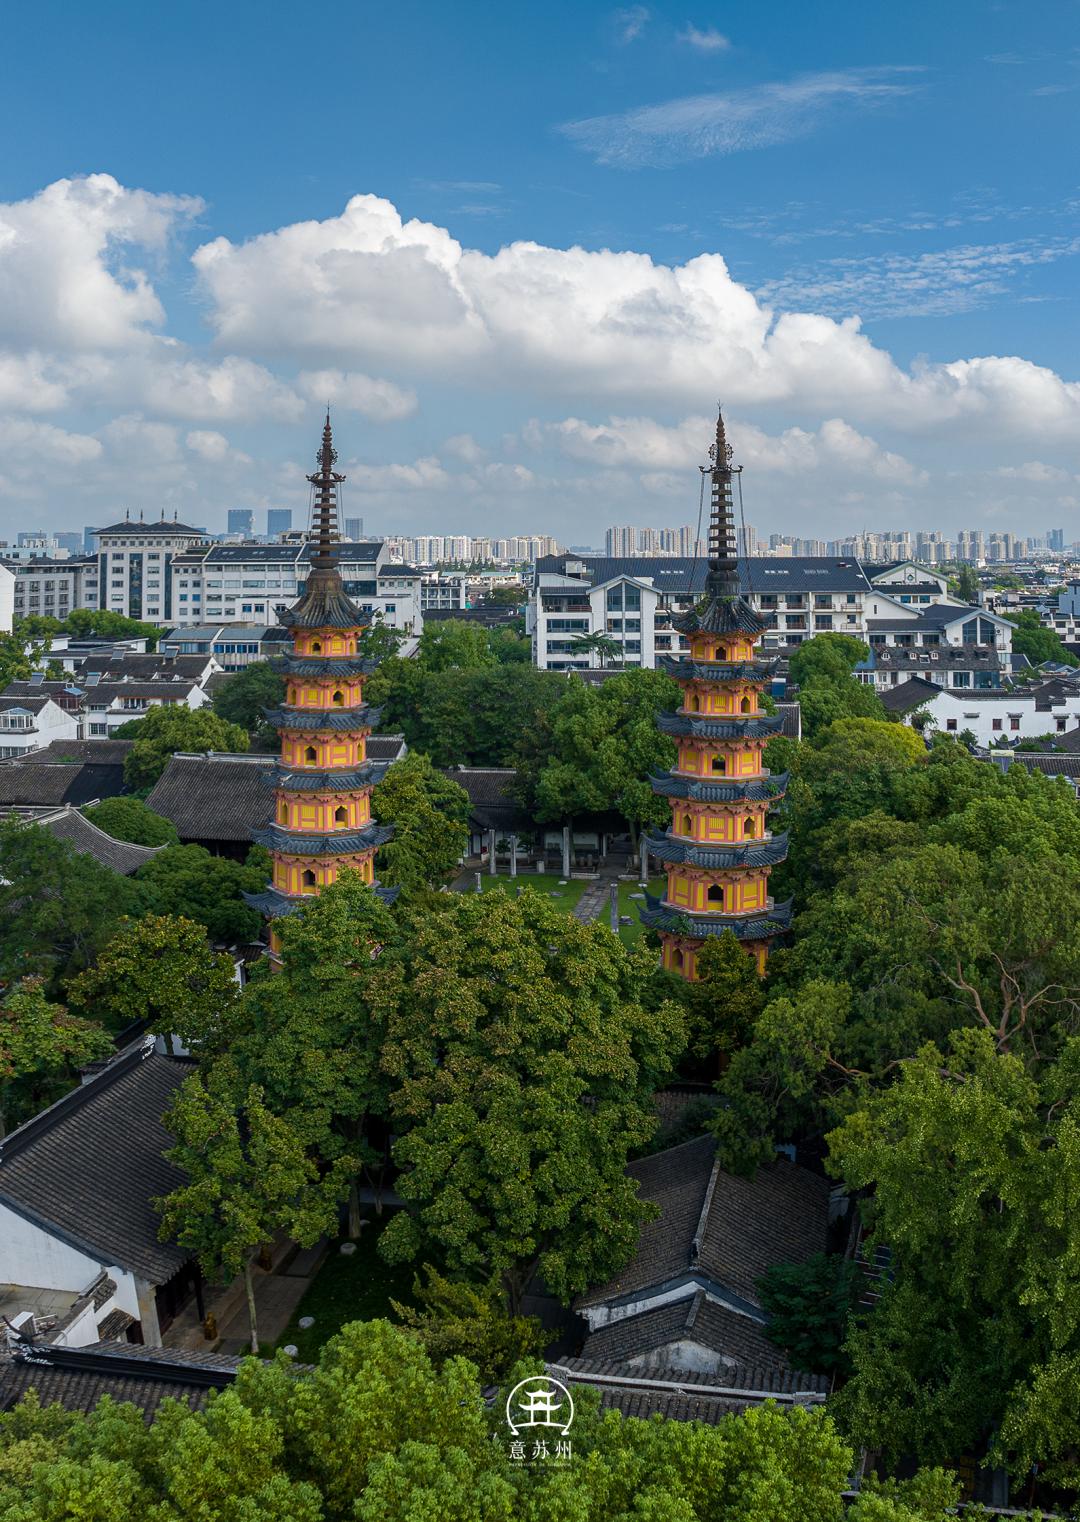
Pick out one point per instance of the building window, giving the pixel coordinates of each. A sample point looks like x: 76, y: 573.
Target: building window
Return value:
x: 341, y: 816
x: 307, y: 878
x: 719, y: 764
x: 950, y: 723
x: 1014, y: 723
x: 716, y: 897
x: 995, y: 723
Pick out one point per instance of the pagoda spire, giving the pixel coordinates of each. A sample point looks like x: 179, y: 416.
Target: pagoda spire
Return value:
x: 723, y: 577
x: 324, y: 512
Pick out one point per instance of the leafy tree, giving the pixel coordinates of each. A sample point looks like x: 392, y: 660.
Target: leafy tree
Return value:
x: 972, y: 1164
x: 1033, y: 639
x: 395, y: 690
x: 40, y: 1044
x: 58, y: 906
x: 510, y: 646
x: 604, y: 645
x: 189, y: 882
x: 967, y: 583
x: 724, y: 1002
x: 464, y: 1320
x: 248, y: 1175
x: 379, y: 641
x: 130, y: 819
x: 453, y: 642
x: 312, y: 1037
x: 19, y: 658
x: 504, y: 1016
x: 171, y: 727
x: 511, y: 596
x: 242, y: 699
x: 823, y: 668
x: 376, y: 1432
x: 810, y: 1306
x: 161, y: 970
x: 102, y: 623
x: 429, y: 813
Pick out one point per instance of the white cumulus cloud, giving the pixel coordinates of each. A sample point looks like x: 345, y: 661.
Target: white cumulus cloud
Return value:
x: 379, y: 400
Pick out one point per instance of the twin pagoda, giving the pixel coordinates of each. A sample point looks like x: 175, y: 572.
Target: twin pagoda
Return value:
x: 718, y: 851
x: 322, y: 784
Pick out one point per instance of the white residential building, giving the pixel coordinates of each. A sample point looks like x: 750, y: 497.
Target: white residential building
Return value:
x: 1019, y: 713
x: 31, y: 723
x: 135, y: 566
x: 52, y: 588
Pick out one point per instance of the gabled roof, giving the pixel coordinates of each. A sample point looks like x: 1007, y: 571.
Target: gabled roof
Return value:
x: 88, y: 1168
x: 98, y: 753
x: 164, y: 527
x: 35, y: 784
x: 493, y: 805
x: 718, y: 1226
x: 905, y: 697
x: 75, y: 830
x: 77, y: 1378
x: 684, y: 576
x: 211, y: 797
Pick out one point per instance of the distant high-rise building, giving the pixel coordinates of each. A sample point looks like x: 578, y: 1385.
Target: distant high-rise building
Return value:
x: 278, y: 521
x: 89, y: 540
x: 70, y: 542
x: 354, y: 530
x: 1055, y: 539
x: 621, y: 541
x: 241, y: 520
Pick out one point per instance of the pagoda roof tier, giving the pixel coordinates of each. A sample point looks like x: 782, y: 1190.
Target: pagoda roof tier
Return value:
x: 659, y: 915
x: 755, y: 727
x: 277, y: 905
x: 307, y: 719
x: 347, y: 780
x: 753, y: 790
x: 314, y: 665
x: 318, y: 843
x: 722, y: 613
x: 325, y: 603
x: 718, y: 858
x: 685, y: 669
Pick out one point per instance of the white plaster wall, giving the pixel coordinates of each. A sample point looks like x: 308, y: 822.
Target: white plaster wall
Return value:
x: 30, y: 1256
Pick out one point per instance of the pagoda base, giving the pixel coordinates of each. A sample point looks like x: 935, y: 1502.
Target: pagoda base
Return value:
x: 679, y: 955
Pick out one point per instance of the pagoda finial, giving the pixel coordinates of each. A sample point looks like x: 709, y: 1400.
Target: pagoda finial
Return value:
x: 723, y: 578
x: 324, y: 513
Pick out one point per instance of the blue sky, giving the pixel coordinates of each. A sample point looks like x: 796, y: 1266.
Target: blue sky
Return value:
x: 524, y: 248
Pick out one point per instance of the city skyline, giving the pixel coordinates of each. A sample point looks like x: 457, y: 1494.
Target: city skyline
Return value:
x: 525, y: 320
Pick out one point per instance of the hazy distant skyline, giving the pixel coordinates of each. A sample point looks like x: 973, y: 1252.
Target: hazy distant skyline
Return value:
x: 522, y: 252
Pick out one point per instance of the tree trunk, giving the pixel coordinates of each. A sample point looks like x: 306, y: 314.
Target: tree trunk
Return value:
x: 354, y: 1210
x: 249, y: 1286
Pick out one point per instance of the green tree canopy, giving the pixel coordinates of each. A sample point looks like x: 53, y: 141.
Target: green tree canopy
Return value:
x: 430, y: 814
x: 171, y: 727
x: 824, y: 669
x: 58, y: 906
x: 379, y: 1434
x: 162, y: 970
x: 242, y: 699
x: 41, y: 1044
x: 189, y: 882
x: 504, y: 1017
x: 1039, y: 643
x: 454, y: 642
x: 130, y: 819
x: 102, y: 623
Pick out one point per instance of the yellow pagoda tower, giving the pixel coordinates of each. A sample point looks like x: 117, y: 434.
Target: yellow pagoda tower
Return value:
x: 718, y: 850
x: 323, y: 781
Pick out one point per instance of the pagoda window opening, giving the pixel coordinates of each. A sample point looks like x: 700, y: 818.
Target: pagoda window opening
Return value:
x: 307, y: 878
x: 687, y: 825
x: 341, y: 816
x: 695, y: 702
x: 339, y: 697
x: 678, y: 961
x: 749, y: 827
x: 316, y: 647
x: 719, y: 764
x: 746, y: 706
x: 283, y: 813
x: 715, y: 896
x: 311, y: 755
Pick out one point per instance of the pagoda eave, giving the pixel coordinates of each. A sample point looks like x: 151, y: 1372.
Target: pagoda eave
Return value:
x: 309, y: 720
x: 348, y: 780
x: 275, y: 905
x: 683, y: 669
x: 756, y: 727
x: 670, y: 920
x: 314, y: 666
x: 721, y: 615
x: 314, y: 843
x: 755, y: 789
x: 718, y: 858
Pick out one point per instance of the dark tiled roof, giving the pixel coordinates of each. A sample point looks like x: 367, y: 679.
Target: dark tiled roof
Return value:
x: 168, y: 691
x: 140, y: 666
x: 721, y: 615
x: 29, y: 699
x: 385, y: 747
x: 690, y: 1397
x: 215, y: 797
x: 715, y: 858
x: 651, y: 1342
x: 905, y: 697
x: 325, y: 604
x: 89, y: 1167
x: 778, y: 1216
x: 791, y: 713
x: 162, y: 526
x: 672, y: 785
x: 1042, y: 761
x: 658, y: 915
x: 308, y: 720
x: 754, y: 728
x: 75, y: 830
x: 98, y: 752
x: 493, y: 805
x: 43, y: 783
x: 936, y: 616
x: 77, y: 1378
